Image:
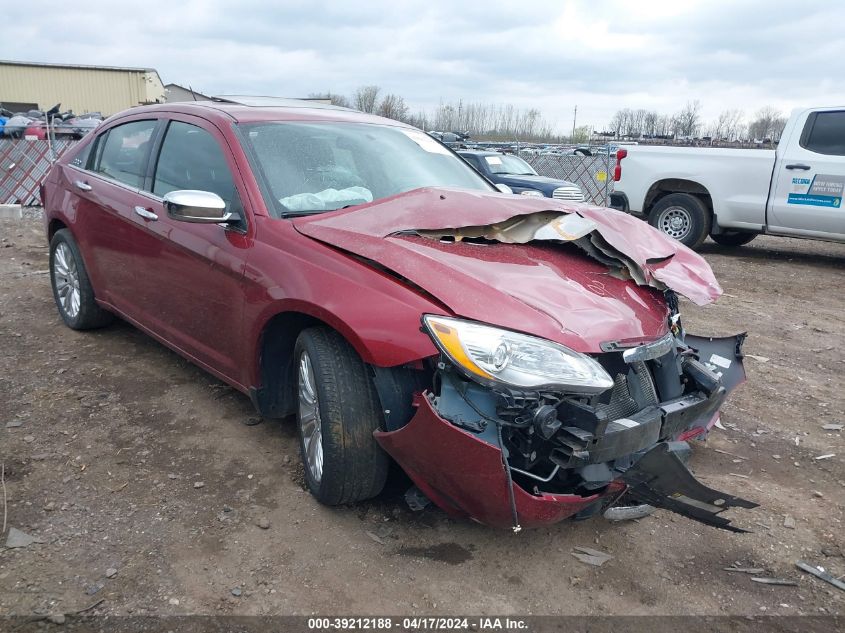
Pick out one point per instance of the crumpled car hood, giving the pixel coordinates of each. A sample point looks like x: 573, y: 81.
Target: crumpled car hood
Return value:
x: 579, y: 290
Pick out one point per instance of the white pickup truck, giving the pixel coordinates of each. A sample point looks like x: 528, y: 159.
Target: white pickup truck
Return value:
x: 735, y: 194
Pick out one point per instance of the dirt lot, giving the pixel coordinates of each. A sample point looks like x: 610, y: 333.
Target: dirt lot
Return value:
x: 127, y: 461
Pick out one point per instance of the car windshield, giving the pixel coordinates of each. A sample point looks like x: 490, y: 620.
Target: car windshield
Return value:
x: 509, y: 164
x: 314, y: 167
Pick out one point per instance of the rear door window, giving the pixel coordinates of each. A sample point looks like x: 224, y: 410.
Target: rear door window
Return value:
x: 122, y: 154
x: 825, y: 133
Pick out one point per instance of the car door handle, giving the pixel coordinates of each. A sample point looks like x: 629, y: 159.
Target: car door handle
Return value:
x: 146, y: 214
x: 798, y: 166
x: 82, y: 186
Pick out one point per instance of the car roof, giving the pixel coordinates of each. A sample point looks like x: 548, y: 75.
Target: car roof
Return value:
x: 258, y: 109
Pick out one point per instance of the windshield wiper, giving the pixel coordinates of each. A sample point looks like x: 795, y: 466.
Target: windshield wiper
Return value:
x: 302, y: 212
x: 296, y: 214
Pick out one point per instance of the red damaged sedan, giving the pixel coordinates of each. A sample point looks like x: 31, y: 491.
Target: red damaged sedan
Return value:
x: 522, y: 359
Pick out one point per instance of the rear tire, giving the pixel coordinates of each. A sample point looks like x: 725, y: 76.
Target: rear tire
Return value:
x: 72, y: 289
x: 683, y: 217
x: 338, y: 410
x: 733, y: 238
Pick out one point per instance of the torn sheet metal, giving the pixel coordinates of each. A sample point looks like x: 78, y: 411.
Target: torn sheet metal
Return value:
x: 548, y: 289
x: 547, y: 225
x: 627, y: 245
x: 590, y: 236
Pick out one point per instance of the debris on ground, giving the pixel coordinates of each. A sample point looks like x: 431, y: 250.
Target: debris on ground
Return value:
x: 252, y: 420
x: 591, y: 556
x: 16, y: 538
x: 745, y: 570
x: 826, y: 427
x: 628, y: 513
x: 719, y: 450
x: 376, y: 538
x: 199, y: 484
x: 90, y: 590
x: 13, y: 424
x: 759, y: 359
x: 776, y: 581
x: 788, y: 522
x: 819, y: 572
x: 263, y: 523
x: 111, y: 572
x: 825, y: 456
x: 237, y: 591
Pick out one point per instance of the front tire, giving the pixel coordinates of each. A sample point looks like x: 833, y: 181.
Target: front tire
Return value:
x: 683, y: 217
x: 733, y: 238
x: 72, y: 289
x: 338, y: 410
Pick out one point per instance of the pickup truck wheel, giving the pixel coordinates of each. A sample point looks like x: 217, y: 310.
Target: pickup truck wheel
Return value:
x: 682, y: 217
x: 338, y: 410
x: 72, y: 289
x: 733, y: 238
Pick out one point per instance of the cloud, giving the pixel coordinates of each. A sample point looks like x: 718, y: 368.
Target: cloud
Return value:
x: 601, y: 55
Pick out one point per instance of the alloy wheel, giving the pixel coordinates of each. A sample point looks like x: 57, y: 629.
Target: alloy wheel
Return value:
x: 310, y: 426
x: 66, y: 278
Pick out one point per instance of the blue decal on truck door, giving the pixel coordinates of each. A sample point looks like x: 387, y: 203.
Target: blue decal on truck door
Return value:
x: 824, y: 190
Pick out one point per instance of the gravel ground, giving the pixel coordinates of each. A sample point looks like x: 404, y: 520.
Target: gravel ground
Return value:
x: 149, y: 494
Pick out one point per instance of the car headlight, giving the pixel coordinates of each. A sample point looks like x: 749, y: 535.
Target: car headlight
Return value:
x: 533, y: 193
x: 490, y: 355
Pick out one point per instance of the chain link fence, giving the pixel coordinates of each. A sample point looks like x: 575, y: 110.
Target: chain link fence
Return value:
x: 23, y: 166
x: 594, y: 174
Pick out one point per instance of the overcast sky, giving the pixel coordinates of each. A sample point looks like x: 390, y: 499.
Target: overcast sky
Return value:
x: 552, y: 55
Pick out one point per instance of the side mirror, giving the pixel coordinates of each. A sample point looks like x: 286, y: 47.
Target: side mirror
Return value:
x: 191, y: 205
x: 504, y: 188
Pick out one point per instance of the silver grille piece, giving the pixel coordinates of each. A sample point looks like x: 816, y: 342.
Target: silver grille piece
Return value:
x: 568, y: 193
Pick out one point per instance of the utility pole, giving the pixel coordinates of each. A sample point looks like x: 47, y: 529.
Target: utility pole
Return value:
x: 574, y: 118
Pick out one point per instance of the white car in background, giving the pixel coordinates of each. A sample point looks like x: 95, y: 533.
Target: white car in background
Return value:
x: 733, y: 195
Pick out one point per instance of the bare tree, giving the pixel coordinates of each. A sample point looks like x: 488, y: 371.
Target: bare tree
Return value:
x: 727, y: 126
x: 663, y: 125
x: 650, y: 121
x: 768, y: 123
x: 688, y: 120
x: 619, y: 122
x: 365, y: 98
x: 582, y: 134
x: 393, y: 107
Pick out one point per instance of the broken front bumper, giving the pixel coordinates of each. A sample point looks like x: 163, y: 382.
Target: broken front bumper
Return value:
x: 462, y: 469
x: 464, y: 474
